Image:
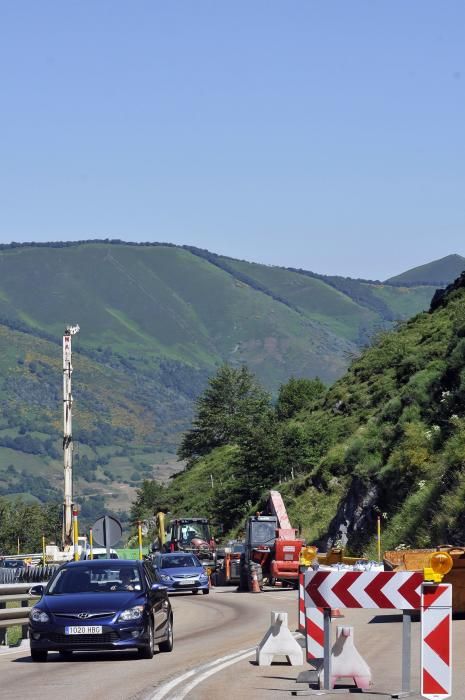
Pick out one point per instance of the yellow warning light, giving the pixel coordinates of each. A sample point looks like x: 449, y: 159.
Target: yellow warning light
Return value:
x: 307, y: 555
x: 441, y: 563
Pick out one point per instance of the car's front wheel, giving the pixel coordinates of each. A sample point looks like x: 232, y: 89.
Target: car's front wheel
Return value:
x: 168, y: 644
x: 39, y: 655
x: 148, y: 650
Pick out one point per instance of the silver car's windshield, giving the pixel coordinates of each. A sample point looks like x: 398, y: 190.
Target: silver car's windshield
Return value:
x: 169, y: 562
x: 101, y: 579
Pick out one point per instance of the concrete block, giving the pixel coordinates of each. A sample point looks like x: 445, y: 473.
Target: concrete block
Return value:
x: 347, y: 662
x: 278, y: 641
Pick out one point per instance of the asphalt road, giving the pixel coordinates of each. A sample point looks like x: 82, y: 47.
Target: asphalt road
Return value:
x: 213, y: 657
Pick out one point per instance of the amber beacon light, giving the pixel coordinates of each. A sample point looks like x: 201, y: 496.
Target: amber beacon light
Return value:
x: 440, y: 564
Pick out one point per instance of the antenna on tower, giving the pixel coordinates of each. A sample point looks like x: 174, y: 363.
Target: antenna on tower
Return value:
x: 68, y: 435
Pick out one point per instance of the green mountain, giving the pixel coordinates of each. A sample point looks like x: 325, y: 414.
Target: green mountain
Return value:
x: 437, y: 273
x: 156, y: 320
x: 386, y: 439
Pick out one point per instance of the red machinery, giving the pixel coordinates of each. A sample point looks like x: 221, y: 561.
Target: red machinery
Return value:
x: 271, y: 547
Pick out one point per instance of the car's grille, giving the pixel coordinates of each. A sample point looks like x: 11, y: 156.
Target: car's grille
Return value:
x: 77, y: 639
x: 88, y: 617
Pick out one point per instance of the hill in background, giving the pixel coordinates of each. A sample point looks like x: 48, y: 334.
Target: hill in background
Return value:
x: 157, y: 320
x: 438, y: 273
x: 386, y: 439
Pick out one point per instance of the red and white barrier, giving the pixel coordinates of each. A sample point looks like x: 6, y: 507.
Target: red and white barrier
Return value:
x: 314, y: 633
x: 301, y: 611
x: 436, y: 641
x: 364, y: 589
x: 402, y: 590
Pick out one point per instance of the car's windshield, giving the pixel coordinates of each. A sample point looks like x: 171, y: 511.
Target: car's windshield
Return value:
x: 263, y: 532
x: 95, y: 579
x: 192, y: 532
x: 169, y: 562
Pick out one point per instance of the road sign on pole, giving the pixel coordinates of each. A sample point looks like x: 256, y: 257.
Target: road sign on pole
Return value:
x: 107, y: 531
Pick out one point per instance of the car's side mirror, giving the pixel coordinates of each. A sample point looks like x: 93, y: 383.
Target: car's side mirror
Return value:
x: 37, y: 590
x: 158, y: 588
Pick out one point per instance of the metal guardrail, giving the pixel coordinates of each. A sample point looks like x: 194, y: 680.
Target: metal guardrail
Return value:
x: 10, y: 617
x: 27, y: 574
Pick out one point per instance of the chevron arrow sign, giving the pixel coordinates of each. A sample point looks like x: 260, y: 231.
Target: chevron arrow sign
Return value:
x: 436, y: 641
x: 363, y: 589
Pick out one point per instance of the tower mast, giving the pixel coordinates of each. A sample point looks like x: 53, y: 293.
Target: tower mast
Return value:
x: 68, y: 435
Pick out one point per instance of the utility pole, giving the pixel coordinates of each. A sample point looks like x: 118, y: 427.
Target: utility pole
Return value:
x: 68, y: 436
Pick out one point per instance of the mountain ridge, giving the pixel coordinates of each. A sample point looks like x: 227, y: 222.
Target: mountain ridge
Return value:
x: 158, y: 319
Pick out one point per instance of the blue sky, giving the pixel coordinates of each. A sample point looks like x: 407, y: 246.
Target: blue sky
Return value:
x: 324, y: 135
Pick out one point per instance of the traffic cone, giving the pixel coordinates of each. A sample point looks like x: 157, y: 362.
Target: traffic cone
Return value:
x: 335, y: 613
x: 255, y: 584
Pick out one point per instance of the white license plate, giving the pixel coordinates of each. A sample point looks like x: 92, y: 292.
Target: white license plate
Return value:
x: 187, y: 582
x: 89, y: 629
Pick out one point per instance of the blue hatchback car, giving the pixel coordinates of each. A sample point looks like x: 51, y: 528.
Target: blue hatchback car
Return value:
x: 101, y: 604
x: 181, y: 571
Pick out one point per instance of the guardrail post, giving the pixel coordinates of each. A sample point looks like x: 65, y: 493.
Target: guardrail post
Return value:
x: 24, y: 628
x: 2, y: 630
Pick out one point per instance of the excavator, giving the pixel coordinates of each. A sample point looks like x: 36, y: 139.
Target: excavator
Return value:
x: 272, y: 547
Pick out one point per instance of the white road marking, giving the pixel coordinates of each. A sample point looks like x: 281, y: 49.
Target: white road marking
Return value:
x: 203, y: 672
x: 163, y: 690
x: 183, y: 693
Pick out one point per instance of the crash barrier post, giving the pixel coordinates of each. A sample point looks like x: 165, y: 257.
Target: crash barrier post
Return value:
x: 405, y: 591
x: 2, y: 631
x: 278, y: 641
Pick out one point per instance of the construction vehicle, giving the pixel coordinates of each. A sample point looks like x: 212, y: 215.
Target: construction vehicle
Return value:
x: 419, y: 559
x: 192, y: 535
x: 229, y: 563
x: 272, y: 547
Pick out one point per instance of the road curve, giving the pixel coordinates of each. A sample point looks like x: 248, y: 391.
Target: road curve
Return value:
x: 207, y: 628
x: 213, y: 657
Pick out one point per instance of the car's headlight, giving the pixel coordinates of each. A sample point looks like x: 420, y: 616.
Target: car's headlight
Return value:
x: 203, y: 577
x: 132, y: 614
x: 165, y: 578
x: 38, y: 615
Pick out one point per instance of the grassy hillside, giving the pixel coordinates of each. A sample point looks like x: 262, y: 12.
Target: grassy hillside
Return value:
x: 156, y: 320
x: 437, y: 273
x: 388, y: 438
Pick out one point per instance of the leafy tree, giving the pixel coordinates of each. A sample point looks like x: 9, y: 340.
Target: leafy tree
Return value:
x: 296, y: 395
x: 26, y: 523
x: 231, y: 404
x: 151, y: 497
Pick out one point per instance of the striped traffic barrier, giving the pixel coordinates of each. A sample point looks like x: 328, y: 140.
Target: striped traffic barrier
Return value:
x: 406, y: 591
x: 301, y: 602
x: 436, y: 641
x: 314, y: 634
